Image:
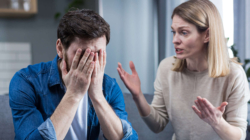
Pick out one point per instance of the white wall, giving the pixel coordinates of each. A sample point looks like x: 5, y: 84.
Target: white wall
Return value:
x: 132, y: 39
x: 13, y: 57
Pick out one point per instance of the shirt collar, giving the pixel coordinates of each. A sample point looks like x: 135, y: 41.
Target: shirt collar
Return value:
x: 54, y: 76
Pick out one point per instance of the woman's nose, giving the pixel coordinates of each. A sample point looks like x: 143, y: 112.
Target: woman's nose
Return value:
x: 176, y: 39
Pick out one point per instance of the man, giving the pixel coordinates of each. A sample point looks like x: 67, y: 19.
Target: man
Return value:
x: 71, y: 97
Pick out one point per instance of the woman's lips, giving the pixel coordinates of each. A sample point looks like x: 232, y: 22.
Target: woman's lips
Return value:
x: 178, y: 51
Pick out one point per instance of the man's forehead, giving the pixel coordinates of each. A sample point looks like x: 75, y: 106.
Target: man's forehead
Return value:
x: 92, y: 48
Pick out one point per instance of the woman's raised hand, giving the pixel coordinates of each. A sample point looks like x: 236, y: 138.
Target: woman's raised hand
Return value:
x: 132, y: 82
x: 207, y: 112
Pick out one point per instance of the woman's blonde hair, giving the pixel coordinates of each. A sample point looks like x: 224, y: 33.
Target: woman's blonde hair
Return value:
x: 203, y: 14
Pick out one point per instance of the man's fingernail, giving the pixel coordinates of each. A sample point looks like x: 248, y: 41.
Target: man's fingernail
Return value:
x: 88, y: 50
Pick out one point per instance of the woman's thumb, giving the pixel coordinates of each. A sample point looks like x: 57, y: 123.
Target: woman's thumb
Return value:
x: 223, y: 106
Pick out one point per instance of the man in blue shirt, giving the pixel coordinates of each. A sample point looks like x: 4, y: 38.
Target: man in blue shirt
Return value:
x: 71, y: 97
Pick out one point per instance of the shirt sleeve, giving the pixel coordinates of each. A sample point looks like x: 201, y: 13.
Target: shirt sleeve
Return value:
x: 47, y: 131
x: 118, y: 105
x: 158, y: 117
x: 26, y: 117
x: 236, y: 110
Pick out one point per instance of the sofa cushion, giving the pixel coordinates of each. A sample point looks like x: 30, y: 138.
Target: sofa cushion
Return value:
x: 6, y: 122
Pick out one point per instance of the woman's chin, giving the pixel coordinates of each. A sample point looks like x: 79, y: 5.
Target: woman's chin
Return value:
x: 180, y: 56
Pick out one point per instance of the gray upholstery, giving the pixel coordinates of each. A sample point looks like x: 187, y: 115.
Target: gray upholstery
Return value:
x: 144, y: 133
x: 140, y: 127
x: 6, y: 122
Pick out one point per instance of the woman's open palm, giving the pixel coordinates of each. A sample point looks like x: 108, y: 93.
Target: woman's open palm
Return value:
x: 132, y: 82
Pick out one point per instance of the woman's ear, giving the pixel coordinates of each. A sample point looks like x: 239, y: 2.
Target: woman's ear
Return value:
x: 206, y: 36
x: 59, y: 48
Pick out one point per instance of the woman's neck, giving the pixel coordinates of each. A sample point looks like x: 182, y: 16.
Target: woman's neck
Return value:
x: 198, y: 63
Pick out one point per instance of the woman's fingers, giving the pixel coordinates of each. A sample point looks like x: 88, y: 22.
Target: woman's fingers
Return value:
x: 197, y: 104
x: 121, y: 69
x: 197, y: 111
x: 209, y: 106
x: 222, y: 107
x: 132, y: 67
x: 120, y: 74
x: 206, y: 111
x: 203, y: 109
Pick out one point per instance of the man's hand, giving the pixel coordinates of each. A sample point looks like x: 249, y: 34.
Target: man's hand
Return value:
x: 77, y: 80
x: 95, y: 88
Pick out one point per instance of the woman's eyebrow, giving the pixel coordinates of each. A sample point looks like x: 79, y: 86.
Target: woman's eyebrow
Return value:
x: 181, y: 27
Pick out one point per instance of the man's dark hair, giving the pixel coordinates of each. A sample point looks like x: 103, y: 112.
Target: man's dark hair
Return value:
x: 83, y: 24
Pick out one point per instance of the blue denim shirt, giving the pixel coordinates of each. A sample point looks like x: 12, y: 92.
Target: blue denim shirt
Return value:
x: 36, y: 91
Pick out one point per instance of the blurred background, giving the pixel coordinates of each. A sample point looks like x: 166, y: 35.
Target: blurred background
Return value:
x: 140, y: 32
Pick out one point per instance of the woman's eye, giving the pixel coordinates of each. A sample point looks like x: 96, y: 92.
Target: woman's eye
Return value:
x: 184, y: 33
x: 173, y: 32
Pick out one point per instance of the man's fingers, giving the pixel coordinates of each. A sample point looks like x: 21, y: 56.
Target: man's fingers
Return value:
x: 84, y: 59
x: 104, y: 58
x: 132, y: 67
x: 90, y: 59
x: 90, y: 69
x: 64, y: 68
x: 95, y: 69
x: 76, y: 59
x: 87, y: 55
x: 101, y: 57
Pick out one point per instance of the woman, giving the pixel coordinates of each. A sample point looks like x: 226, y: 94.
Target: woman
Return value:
x: 201, y: 73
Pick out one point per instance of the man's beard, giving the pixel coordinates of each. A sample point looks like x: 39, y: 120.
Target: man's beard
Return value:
x: 66, y: 61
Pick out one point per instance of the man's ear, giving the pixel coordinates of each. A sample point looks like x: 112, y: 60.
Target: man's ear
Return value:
x: 59, y: 48
x: 206, y: 36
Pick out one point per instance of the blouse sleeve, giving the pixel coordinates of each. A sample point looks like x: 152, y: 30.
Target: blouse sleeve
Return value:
x: 236, y: 110
x: 158, y: 117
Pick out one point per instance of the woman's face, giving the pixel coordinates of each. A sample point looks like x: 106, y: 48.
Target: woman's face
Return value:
x: 188, y: 42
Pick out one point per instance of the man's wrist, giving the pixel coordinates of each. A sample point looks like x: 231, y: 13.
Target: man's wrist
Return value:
x: 73, y: 97
x: 97, y: 97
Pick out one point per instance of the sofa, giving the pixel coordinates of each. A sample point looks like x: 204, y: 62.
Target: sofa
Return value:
x: 6, y: 122
x: 144, y: 133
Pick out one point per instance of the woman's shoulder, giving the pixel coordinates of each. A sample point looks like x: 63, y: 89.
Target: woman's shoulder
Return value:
x: 167, y: 62
x: 236, y: 70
